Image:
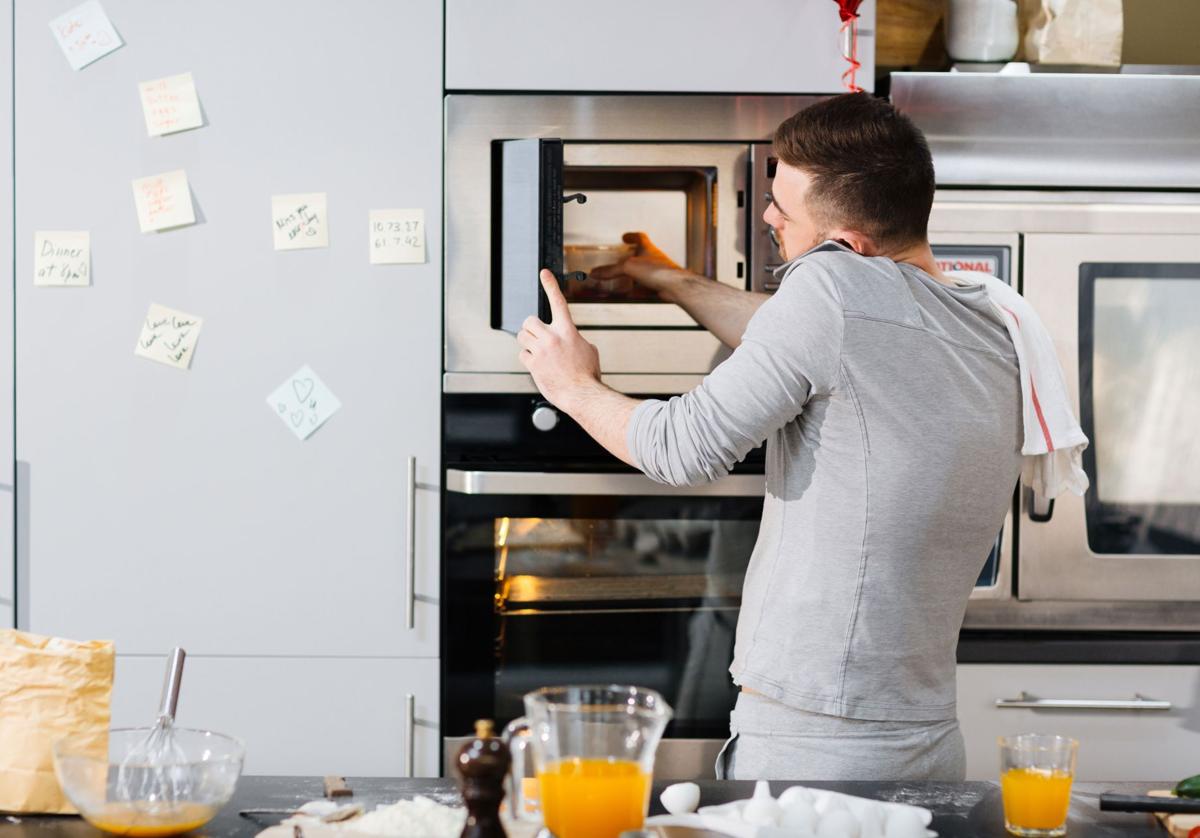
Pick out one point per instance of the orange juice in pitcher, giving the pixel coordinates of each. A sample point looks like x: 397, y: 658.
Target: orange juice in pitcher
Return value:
x: 593, y: 798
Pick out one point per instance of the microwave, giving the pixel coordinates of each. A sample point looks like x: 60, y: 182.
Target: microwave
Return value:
x: 555, y: 182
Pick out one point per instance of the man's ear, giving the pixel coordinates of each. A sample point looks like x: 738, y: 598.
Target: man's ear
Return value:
x: 860, y: 243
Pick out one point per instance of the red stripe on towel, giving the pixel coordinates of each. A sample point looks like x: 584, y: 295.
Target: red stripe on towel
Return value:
x: 1037, y: 405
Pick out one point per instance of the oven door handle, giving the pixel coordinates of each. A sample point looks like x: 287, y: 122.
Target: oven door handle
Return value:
x: 594, y: 483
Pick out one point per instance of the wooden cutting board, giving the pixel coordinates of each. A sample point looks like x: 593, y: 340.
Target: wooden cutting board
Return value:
x: 1177, y: 825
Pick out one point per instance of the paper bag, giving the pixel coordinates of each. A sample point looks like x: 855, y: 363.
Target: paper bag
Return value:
x: 1074, y: 31
x: 49, y: 688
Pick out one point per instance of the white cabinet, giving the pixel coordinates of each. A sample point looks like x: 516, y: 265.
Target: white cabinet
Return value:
x: 1114, y: 745
x: 163, y: 506
x: 299, y: 716
x: 8, y: 594
x: 696, y: 46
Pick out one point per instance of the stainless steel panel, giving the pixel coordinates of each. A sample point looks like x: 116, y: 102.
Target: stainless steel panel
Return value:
x: 1055, y: 559
x: 1051, y: 129
x: 473, y: 121
x: 569, y: 483
x: 484, y: 382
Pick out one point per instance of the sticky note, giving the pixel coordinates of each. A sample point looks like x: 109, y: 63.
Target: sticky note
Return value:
x: 397, y: 236
x: 85, y: 33
x: 163, y: 201
x: 168, y: 336
x: 170, y: 105
x: 62, y: 258
x: 303, y: 402
x: 299, y: 221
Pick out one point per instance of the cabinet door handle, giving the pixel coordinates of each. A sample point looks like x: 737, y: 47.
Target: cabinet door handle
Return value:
x: 410, y: 548
x: 1138, y: 702
x: 410, y: 727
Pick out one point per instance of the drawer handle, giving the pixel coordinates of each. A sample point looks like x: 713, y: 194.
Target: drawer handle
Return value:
x: 1138, y: 702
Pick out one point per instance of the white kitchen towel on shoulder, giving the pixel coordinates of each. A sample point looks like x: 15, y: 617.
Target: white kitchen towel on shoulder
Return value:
x: 1054, y: 442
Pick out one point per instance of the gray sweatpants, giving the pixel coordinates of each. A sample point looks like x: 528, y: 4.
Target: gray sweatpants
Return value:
x: 771, y: 741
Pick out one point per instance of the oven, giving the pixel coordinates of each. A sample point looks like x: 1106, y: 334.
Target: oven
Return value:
x: 562, y: 565
x: 1125, y: 314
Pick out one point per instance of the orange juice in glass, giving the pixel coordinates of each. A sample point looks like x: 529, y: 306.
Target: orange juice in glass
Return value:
x: 1035, y: 783
x: 592, y: 751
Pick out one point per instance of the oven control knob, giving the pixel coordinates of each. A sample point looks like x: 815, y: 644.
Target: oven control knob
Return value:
x: 545, y: 418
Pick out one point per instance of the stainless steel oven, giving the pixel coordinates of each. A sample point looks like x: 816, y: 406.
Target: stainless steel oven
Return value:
x: 1095, y: 180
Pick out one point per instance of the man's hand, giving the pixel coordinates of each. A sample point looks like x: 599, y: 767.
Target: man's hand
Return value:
x: 648, y: 267
x: 562, y: 363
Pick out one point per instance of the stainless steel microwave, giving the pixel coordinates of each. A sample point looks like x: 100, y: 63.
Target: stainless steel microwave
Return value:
x: 554, y: 181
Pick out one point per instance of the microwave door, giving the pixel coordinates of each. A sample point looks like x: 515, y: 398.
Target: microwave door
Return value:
x: 528, y: 234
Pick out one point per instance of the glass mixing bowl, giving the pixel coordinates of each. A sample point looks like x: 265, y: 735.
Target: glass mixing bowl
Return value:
x: 91, y: 779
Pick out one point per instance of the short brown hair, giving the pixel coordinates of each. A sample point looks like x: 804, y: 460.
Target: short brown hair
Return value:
x: 870, y: 167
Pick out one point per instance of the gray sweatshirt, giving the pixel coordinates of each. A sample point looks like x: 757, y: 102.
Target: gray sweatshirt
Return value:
x: 891, y: 407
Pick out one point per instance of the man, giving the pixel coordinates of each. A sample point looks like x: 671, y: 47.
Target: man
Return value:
x: 890, y: 399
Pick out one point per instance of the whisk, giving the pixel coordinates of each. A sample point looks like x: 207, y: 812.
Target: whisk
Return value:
x: 154, y: 773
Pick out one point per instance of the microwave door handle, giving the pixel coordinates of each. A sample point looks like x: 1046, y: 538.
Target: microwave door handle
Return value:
x: 594, y: 483
x: 1040, y: 509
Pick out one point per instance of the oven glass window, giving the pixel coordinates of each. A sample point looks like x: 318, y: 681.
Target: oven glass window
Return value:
x: 674, y: 207
x: 1140, y: 352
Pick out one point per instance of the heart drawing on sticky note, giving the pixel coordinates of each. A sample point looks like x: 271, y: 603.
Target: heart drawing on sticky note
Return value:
x: 302, y: 387
x: 297, y: 418
x: 281, y: 407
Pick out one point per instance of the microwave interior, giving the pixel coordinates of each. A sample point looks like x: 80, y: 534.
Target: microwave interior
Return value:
x: 568, y: 207
x: 674, y: 206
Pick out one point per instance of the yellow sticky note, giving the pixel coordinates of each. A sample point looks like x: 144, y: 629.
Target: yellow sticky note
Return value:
x: 163, y: 201
x: 170, y: 105
x: 168, y: 336
x: 397, y: 236
x: 62, y: 258
x: 299, y: 221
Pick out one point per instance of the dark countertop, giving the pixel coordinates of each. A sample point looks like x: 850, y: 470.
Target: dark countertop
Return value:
x: 960, y: 809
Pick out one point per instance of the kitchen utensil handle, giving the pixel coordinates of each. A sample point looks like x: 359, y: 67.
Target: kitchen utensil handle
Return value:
x: 1138, y: 803
x: 594, y: 483
x: 1138, y: 702
x: 410, y: 547
x: 516, y: 737
x: 171, y: 683
x: 410, y: 727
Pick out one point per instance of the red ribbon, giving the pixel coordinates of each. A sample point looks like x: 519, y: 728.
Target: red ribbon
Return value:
x: 848, y: 11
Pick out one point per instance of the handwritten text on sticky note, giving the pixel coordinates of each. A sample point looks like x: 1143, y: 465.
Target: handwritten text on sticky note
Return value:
x: 163, y: 201
x: 168, y: 336
x: 85, y: 33
x: 299, y: 221
x: 170, y: 105
x: 303, y: 402
x: 62, y: 258
x: 397, y: 236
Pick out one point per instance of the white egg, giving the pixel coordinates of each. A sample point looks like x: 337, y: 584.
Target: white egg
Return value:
x: 798, y: 814
x: 680, y: 798
x: 870, y: 822
x: 904, y: 823
x: 762, y: 811
x: 837, y: 823
x: 794, y: 793
x: 829, y: 803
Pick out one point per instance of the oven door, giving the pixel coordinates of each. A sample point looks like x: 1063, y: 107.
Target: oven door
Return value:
x: 557, y: 577
x: 565, y: 206
x: 1124, y: 312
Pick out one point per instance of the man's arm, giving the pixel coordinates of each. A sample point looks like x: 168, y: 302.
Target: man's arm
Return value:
x: 566, y: 369
x: 723, y: 310
x: 790, y: 354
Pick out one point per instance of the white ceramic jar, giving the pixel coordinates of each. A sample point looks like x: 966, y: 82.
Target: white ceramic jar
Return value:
x: 981, y: 30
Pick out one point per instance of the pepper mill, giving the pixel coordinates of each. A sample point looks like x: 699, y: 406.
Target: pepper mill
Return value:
x: 483, y: 765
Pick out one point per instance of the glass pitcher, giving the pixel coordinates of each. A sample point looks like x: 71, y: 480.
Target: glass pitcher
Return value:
x: 591, y: 750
